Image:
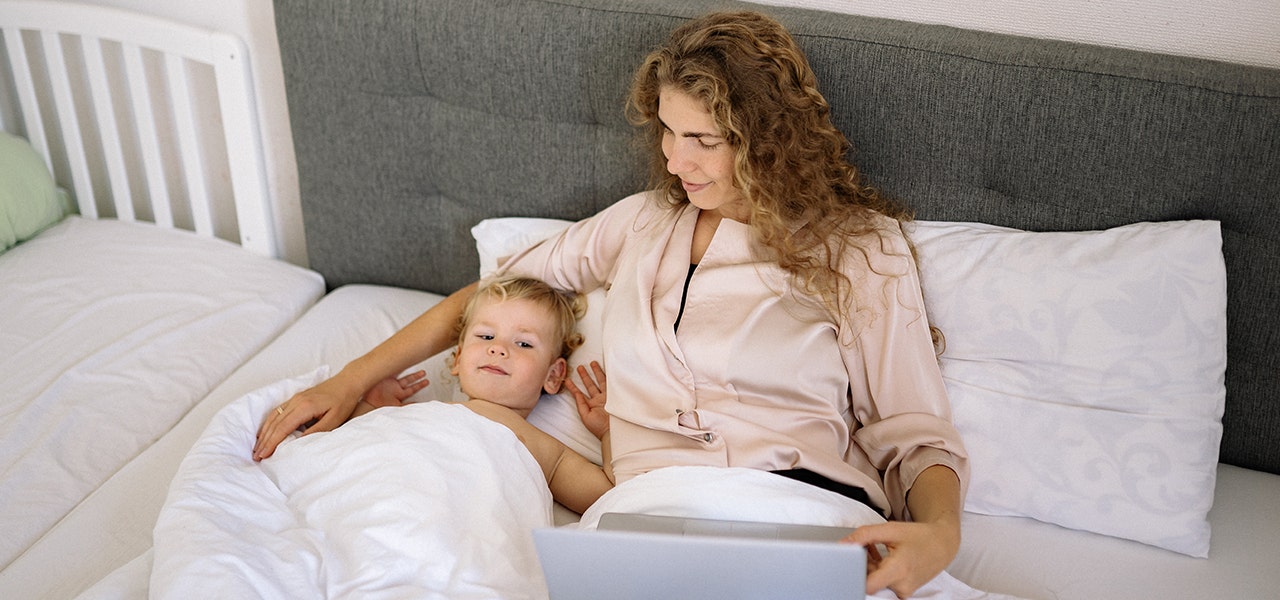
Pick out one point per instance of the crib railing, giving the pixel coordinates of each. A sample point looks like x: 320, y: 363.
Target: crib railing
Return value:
x: 140, y: 118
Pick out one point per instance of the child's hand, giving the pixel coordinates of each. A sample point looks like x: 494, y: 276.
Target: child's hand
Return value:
x: 591, y: 403
x: 393, y: 391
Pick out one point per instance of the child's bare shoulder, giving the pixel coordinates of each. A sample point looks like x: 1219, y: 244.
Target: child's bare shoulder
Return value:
x: 516, y: 423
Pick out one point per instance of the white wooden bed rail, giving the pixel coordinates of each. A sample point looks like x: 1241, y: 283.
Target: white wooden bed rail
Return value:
x: 141, y: 117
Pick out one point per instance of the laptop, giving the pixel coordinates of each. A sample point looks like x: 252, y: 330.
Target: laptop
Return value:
x: 634, y: 556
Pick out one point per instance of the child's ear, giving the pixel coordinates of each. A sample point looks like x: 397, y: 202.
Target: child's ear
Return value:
x: 453, y: 361
x: 555, y: 376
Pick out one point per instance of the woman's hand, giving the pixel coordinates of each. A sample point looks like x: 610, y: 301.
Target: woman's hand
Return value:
x: 332, y: 402
x: 327, y: 404
x: 591, y: 402
x: 917, y: 552
x: 920, y: 550
x: 393, y: 391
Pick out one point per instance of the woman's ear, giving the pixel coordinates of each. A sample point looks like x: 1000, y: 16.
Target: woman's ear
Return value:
x: 555, y: 376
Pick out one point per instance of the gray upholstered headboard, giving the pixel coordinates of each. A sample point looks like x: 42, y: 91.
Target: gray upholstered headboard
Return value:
x: 415, y: 119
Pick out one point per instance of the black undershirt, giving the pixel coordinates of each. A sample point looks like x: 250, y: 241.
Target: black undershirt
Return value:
x: 802, y: 475
x: 826, y: 483
x: 684, y: 295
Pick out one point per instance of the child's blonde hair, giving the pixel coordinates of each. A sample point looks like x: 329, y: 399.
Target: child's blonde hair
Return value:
x: 565, y: 307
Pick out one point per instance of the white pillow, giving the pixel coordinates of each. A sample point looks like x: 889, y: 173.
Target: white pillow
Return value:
x: 556, y: 414
x: 1085, y: 371
x: 497, y: 239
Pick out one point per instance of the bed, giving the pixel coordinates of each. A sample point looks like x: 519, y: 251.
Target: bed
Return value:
x: 1080, y: 208
x: 140, y: 278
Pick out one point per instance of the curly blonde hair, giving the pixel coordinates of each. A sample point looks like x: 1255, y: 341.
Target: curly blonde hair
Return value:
x: 810, y: 208
x: 565, y: 307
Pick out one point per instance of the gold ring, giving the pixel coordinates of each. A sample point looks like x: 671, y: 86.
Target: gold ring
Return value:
x: 279, y: 410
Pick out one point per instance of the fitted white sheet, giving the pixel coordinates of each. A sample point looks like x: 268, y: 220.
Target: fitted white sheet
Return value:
x: 1037, y: 560
x: 999, y: 554
x: 109, y: 333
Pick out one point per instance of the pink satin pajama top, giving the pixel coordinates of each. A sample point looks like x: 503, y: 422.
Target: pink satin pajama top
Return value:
x: 756, y: 377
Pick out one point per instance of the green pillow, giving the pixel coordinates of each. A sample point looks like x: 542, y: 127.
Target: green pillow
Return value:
x: 29, y: 200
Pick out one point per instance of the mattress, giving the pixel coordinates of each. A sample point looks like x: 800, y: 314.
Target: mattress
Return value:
x: 110, y: 332
x: 1001, y: 554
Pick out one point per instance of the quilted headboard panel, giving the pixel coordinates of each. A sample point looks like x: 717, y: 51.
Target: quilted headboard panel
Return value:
x: 415, y: 119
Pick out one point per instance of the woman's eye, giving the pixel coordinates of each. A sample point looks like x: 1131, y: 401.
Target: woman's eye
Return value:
x: 707, y: 146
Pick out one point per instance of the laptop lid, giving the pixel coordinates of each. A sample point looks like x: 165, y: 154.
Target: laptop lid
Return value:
x: 673, y: 557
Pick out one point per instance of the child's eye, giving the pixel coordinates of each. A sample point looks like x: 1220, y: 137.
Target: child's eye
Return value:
x: 524, y: 344
x: 484, y: 336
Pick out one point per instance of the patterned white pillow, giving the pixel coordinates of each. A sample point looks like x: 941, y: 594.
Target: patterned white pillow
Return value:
x: 1086, y: 371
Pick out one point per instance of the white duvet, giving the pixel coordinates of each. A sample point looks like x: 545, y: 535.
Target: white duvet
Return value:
x: 426, y: 501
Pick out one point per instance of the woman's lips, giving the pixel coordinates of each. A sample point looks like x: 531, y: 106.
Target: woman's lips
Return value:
x: 690, y: 188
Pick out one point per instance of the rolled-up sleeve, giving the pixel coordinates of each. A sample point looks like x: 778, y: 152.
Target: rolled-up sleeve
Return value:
x: 896, y: 388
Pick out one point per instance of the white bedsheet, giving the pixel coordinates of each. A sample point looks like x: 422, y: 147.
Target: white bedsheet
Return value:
x: 109, y: 333
x: 426, y: 501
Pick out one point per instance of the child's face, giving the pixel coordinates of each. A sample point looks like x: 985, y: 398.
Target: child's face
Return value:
x: 509, y: 354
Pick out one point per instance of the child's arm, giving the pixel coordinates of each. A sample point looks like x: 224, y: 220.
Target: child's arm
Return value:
x: 577, y: 482
x: 590, y: 399
x: 574, y: 481
x: 392, y: 391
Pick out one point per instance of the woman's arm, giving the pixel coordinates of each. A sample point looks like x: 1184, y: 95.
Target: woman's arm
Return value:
x: 906, y: 430
x: 921, y: 549
x: 332, y: 402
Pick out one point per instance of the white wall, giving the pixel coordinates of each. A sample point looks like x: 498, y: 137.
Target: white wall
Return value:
x: 1242, y: 31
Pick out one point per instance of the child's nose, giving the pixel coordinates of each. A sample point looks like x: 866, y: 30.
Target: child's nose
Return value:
x: 497, y: 349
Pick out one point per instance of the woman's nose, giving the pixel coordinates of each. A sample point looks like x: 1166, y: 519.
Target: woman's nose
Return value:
x: 676, y: 163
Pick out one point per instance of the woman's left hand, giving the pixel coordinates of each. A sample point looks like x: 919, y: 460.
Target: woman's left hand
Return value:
x: 917, y: 552
x: 920, y: 550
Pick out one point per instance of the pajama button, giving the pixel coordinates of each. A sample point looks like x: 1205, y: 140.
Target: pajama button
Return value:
x: 707, y: 437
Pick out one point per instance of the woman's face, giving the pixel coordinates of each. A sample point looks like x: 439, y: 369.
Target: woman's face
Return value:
x: 699, y: 155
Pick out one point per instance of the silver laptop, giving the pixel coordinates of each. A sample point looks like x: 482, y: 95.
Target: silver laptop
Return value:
x: 647, y: 557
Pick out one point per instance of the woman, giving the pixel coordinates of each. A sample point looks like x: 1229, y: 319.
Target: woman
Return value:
x: 763, y: 305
